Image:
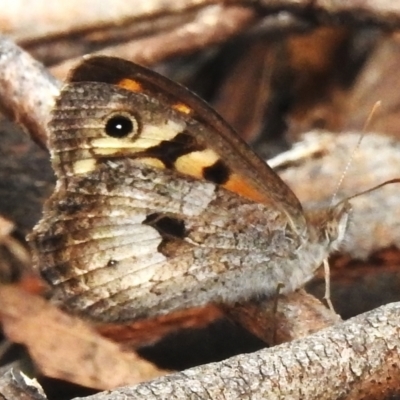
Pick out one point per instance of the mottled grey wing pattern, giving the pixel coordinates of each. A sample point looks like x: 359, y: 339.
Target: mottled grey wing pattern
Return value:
x: 151, y: 243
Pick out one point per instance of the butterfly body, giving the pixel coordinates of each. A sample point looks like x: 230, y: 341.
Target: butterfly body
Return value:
x: 160, y: 207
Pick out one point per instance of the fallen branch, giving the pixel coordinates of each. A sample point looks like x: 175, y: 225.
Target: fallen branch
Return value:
x: 355, y: 358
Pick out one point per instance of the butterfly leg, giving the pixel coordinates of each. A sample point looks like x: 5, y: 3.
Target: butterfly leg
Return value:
x: 327, y: 295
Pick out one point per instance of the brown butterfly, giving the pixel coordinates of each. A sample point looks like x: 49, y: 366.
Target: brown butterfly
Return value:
x: 160, y: 206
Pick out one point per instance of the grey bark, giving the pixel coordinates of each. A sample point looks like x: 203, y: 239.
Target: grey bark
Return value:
x: 338, y: 362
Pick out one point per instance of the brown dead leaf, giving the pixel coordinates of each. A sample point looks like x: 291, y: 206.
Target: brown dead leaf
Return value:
x: 66, y: 347
x: 14, y: 256
x: 149, y: 331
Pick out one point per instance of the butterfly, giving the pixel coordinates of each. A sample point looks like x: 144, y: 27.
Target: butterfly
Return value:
x: 160, y: 206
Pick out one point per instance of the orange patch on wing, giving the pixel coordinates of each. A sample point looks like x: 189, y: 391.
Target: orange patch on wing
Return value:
x: 183, y: 108
x: 238, y: 185
x: 130, y: 84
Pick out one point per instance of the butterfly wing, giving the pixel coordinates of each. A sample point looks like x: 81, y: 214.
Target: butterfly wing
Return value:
x: 119, y: 246
x: 237, y: 167
x: 159, y: 205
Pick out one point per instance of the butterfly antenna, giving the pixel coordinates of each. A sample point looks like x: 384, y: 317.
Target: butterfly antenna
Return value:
x: 376, y: 106
x: 388, y: 182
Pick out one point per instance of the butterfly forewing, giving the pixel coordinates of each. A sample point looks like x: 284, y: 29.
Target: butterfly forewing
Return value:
x: 242, y: 170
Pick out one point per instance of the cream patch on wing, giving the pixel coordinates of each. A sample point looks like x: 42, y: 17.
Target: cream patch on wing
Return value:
x: 153, y: 162
x: 150, y: 136
x: 84, y: 166
x: 194, y: 163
